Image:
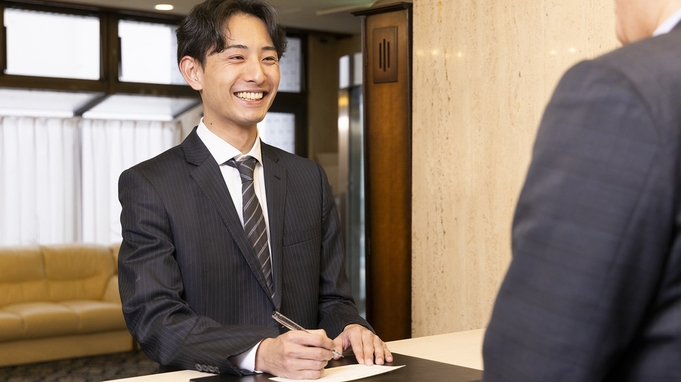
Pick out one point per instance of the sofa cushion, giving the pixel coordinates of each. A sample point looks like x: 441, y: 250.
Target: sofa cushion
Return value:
x: 77, y: 272
x: 44, y: 319
x: 23, y: 275
x: 11, y: 326
x: 38, y: 320
x: 97, y: 316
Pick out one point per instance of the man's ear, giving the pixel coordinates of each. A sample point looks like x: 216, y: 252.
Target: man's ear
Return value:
x: 192, y: 71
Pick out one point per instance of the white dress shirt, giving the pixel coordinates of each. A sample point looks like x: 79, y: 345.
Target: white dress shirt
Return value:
x: 668, y: 24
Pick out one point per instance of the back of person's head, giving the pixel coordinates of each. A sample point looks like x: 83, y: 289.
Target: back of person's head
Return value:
x: 202, y: 32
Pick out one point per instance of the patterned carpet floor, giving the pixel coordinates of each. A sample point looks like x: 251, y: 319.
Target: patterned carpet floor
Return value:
x: 88, y: 369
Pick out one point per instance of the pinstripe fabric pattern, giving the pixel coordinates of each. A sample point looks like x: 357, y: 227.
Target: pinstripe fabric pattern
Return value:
x: 593, y: 292
x: 192, y: 289
x: 254, y: 219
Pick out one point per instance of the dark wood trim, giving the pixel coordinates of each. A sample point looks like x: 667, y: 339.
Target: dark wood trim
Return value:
x: 85, y: 108
x: 3, y: 41
x: 387, y: 116
x: 152, y: 89
x: 110, y: 51
x: 51, y: 83
x: 387, y: 9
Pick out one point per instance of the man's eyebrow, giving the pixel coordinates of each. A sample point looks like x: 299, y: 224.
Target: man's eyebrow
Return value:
x: 236, y: 47
x: 239, y: 46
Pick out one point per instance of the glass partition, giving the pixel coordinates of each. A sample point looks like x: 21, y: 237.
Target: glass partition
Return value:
x: 279, y: 130
x: 291, y: 68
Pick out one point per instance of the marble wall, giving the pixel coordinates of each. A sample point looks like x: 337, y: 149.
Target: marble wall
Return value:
x: 483, y: 71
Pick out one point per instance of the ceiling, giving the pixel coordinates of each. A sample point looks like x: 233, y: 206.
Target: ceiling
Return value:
x: 318, y: 15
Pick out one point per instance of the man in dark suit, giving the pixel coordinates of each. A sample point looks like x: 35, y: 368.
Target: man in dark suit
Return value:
x: 593, y: 292
x: 199, y: 291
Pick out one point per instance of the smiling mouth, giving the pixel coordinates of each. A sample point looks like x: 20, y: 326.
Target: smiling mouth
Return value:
x: 250, y: 96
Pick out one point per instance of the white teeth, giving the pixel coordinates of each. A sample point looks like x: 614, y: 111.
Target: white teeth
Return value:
x: 249, y: 96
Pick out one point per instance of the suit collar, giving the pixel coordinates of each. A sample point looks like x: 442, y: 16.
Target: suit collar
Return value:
x: 195, y: 151
x: 208, y: 177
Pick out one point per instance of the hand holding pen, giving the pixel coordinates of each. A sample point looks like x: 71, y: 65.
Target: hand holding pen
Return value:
x: 291, y: 325
x: 297, y: 354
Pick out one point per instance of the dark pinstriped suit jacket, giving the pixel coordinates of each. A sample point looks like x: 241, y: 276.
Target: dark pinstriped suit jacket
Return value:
x: 593, y: 292
x: 192, y: 290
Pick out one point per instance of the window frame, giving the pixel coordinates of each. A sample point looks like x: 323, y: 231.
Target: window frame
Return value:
x: 108, y: 83
x: 109, y: 55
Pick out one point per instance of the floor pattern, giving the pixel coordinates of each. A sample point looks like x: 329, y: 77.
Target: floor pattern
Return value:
x: 88, y: 369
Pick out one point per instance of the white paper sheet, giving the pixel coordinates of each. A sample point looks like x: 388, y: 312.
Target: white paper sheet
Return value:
x: 346, y: 373
x: 174, y: 376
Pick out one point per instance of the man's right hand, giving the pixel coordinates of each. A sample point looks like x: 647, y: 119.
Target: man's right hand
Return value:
x: 295, y: 355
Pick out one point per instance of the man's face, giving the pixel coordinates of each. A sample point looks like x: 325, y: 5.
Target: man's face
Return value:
x: 239, y: 84
x: 636, y: 19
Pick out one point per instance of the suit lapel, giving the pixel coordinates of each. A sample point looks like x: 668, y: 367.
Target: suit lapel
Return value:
x: 209, y: 178
x: 275, y: 188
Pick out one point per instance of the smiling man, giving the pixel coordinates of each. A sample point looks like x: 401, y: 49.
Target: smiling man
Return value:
x: 593, y: 292
x: 223, y: 230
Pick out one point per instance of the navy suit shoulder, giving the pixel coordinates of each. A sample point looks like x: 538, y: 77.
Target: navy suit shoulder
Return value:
x: 652, y: 67
x: 592, y: 292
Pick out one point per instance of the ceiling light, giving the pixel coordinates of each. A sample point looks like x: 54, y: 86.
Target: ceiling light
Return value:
x: 164, y: 7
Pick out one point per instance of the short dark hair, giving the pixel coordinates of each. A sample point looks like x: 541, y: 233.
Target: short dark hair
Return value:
x: 202, y: 32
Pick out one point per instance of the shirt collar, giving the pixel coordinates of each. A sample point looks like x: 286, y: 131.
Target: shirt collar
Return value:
x: 223, y: 151
x: 668, y: 24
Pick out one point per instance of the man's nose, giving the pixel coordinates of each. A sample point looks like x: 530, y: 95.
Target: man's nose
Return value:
x: 254, y: 71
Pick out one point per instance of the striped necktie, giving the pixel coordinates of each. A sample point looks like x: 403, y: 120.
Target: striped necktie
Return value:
x: 254, y: 219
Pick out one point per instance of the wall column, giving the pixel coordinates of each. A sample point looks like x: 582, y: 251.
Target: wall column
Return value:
x: 386, y: 47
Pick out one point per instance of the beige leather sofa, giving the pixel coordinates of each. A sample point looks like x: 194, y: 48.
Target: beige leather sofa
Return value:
x: 59, y: 302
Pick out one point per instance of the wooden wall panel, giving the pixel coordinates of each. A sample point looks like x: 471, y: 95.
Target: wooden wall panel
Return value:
x: 387, y: 111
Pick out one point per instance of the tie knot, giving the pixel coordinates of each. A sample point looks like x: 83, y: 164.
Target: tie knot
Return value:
x: 246, y: 166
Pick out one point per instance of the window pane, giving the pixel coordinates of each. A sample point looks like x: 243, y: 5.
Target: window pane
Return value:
x: 148, y: 53
x: 291, y: 67
x: 279, y: 130
x: 52, y: 44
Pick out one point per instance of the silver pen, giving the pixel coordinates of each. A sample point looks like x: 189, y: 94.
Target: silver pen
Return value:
x: 291, y: 325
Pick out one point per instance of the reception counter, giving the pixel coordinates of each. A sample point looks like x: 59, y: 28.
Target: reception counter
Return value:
x: 459, y: 348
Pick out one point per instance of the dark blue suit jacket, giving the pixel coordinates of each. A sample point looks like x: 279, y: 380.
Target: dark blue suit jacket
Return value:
x: 593, y: 292
x: 192, y: 289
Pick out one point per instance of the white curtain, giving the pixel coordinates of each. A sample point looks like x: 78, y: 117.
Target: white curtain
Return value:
x: 40, y: 182
x: 109, y: 147
x: 59, y: 177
